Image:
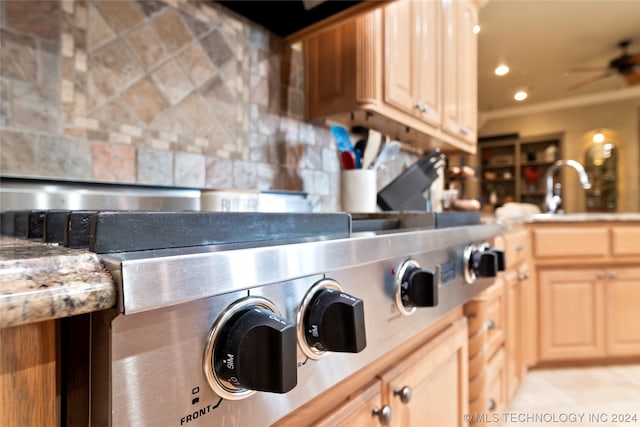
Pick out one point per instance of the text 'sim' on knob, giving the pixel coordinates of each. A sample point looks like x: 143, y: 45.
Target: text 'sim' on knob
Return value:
x: 250, y: 348
x: 334, y: 321
x: 330, y: 320
x: 257, y: 351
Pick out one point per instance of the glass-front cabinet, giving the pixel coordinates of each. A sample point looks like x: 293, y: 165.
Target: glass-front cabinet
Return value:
x: 512, y: 168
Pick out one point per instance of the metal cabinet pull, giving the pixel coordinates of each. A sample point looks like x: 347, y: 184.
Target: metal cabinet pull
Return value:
x: 465, y: 130
x: 612, y: 275
x: 490, y: 324
x: 491, y: 405
x: 600, y: 276
x: 423, y: 108
x: 404, y: 393
x: 519, y: 247
x: 523, y: 276
x: 384, y: 414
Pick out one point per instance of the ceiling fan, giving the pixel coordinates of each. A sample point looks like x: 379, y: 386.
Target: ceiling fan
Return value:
x: 626, y: 65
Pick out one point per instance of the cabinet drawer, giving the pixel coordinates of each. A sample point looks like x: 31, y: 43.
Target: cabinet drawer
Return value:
x: 476, y: 364
x: 477, y: 342
x: 625, y: 240
x: 496, y: 382
x: 477, y: 385
x: 516, y: 246
x: 495, y: 322
x: 476, y: 312
x: 574, y: 241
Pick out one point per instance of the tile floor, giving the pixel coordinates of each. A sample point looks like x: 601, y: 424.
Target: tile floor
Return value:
x: 575, y: 397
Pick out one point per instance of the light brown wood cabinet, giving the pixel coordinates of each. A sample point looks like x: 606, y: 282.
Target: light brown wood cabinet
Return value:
x: 29, y: 387
x: 571, y: 314
x: 487, y: 316
x: 429, y: 388
x: 407, y: 69
x: 589, y: 313
x: 622, y: 322
x: 357, y: 411
x: 460, y: 80
x: 513, y: 339
x: 412, y: 69
x: 420, y: 384
x: 589, y: 287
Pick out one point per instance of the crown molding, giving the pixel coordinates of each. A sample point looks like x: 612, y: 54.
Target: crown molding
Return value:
x: 577, y: 101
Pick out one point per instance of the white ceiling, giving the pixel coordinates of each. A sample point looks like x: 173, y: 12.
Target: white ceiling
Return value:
x: 541, y: 40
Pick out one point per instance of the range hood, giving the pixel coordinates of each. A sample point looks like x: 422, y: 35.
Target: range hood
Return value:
x: 296, y: 19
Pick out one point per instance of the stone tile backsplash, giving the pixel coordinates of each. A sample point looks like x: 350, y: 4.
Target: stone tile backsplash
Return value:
x: 172, y: 93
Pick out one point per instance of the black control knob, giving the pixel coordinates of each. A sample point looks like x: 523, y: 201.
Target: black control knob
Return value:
x: 484, y: 263
x: 500, y: 257
x: 419, y: 288
x: 256, y: 350
x: 334, y: 321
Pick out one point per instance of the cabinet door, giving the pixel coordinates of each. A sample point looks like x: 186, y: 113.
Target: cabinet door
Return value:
x: 358, y: 411
x: 401, y: 42
x: 436, y: 380
x: 28, y: 377
x: 571, y: 315
x: 330, y: 71
x: 412, y: 58
x: 497, y: 397
x: 623, y: 316
x: 428, y: 59
x: 512, y: 340
x: 460, y: 69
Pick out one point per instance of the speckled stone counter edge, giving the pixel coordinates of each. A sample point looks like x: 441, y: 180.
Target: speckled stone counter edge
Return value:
x: 42, y: 282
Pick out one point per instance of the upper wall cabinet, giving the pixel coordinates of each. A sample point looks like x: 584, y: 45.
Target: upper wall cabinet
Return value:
x: 407, y: 69
x: 460, y: 70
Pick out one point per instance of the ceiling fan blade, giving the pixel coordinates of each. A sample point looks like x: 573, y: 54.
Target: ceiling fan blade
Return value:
x: 587, y: 69
x: 632, y: 78
x: 591, y: 80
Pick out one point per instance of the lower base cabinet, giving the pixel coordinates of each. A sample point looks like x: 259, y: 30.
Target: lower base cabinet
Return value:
x: 425, y: 386
x: 28, y: 375
x: 359, y: 411
x: 622, y: 315
x: 430, y: 388
x: 589, y: 313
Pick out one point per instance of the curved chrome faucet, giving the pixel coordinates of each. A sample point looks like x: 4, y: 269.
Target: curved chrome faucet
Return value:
x: 553, y: 200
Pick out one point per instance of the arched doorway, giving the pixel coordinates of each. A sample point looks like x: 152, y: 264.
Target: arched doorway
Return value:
x: 602, y: 151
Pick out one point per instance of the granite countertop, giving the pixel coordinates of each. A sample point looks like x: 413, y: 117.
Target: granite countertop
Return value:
x: 43, y: 281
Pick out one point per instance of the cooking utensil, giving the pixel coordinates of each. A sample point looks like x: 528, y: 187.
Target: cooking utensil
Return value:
x: 348, y: 160
x: 372, y: 148
x: 388, y: 152
x: 343, y: 140
x: 360, y: 149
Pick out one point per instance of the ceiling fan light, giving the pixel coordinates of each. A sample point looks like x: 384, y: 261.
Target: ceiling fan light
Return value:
x: 521, y: 95
x: 501, y: 70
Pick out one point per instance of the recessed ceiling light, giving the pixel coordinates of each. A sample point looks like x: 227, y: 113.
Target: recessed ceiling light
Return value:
x: 520, y: 95
x: 598, y: 137
x: 476, y: 29
x: 501, y: 70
